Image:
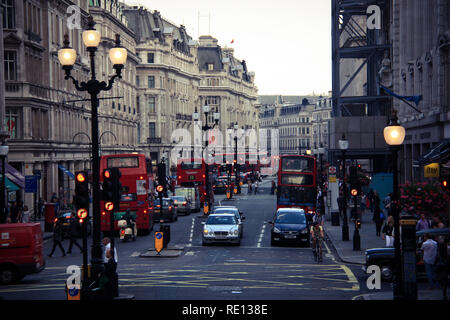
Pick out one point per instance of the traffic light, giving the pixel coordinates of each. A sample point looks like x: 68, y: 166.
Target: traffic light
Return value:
x: 82, y: 194
x: 355, y: 185
x: 162, y: 174
x: 111, y: 189
x: 444, y: 184
x: 108, y: 190
x: 229, y: 168
x: 160, y: 188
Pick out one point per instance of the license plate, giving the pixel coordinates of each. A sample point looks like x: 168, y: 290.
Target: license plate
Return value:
x: 290, y: 237
x: 156, y: 210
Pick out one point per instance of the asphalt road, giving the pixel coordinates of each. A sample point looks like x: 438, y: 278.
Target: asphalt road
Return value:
x: 252, y: 271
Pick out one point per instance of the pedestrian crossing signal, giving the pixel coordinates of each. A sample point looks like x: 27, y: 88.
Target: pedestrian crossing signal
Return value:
x: 160, y: 188
x: 82, y: 213
x: 354, y: 192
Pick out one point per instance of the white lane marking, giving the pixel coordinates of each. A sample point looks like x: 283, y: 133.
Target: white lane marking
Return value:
x: 135, y: 254
x: 191, y: 236
x: 261, y: 235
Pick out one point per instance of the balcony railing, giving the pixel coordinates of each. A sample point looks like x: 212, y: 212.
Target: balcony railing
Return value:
x: 154, y: 140
x: 186, y: 117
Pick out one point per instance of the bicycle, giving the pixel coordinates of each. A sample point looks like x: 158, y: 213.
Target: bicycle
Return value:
x: 316, y: 250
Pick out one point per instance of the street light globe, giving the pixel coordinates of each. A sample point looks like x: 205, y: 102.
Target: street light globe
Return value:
x: 236, y: 126
x: 216, y: 116
x: 91, y: 38
x: 205, y: 108
x: 394, y: 135
x: 118, y: 56
x: 321, y: 150
x: 308, y: 152
x: 343, y: 144
x: 67, y: 56
x: 4, y: 150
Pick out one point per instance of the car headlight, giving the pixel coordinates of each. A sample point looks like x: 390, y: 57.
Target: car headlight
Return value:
x: 236, y: 232
x: 276, y: 230
x: 304, y: 231
x: 205, y: 232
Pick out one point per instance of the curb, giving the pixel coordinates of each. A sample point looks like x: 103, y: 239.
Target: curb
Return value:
x: 339, y: 255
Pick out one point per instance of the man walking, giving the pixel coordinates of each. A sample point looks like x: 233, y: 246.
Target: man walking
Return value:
x: 73, y: 233
x: 429, y: 248
x: 57, y: 238
x: 423, y: 223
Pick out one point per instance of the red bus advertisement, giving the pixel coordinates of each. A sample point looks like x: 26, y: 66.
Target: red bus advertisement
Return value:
x: 192, y: 173
x: 297, y: 183
x: 135, y: 180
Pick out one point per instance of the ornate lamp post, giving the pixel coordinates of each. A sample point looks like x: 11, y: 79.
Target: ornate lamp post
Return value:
x: 67, y: 57
x: 343, y: 145
x: 321, y: 151
x: 236, y: 165
x: 394, y: 134
x: 205, y: 128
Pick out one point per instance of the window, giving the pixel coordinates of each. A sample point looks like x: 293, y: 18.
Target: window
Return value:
x: 137, y: 81
x: 8, y: 15
x: 151, y: 130
x: 307, y: 130
x: 118, y: 108
x: 210, y: 67
x: 12, y: 123
x: 151, y: 82
x: 150, y: 57
x: 138, y: 105
x: 10, y: 65
x: 113, y: 105
x: 151, y: 105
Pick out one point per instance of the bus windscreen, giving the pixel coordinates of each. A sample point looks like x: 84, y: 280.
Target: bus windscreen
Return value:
x: 123, y: 162
x: 297, y: 164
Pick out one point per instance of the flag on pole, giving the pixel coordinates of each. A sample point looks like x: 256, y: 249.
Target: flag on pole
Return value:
x: 232, y: 41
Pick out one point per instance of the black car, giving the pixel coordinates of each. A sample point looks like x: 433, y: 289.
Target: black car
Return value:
x: 169, y: 211
x: 385, y: 257
x: 220, y: 187
x: 289, y: 225
x: 65, y: 219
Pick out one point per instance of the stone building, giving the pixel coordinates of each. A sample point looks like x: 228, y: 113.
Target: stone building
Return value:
x: 167, y: 79
x: 47, y: 118
x: 228, y: 88
x: 290, y: 119
x: 420, y: 65
x: 320, y: 118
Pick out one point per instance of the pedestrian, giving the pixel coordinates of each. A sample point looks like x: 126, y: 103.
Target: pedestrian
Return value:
x: 40, y: 208
x: 370, y: 196
x: 272, y: 189
x: 107, y: 249
x: 388, y: 232
x: 54, y: 198
x: 387, y: 204
x: 73, y: 233
x: 341, y: 203
x: 14, y: 212
x: 437, y: 222
x: 25, y: 214
x: 423, y: 223
x: 318, y: 217
x: 256, y: 186
x: 363, y: 202
x: 249, y: 183
x: 378, y: 218
x: 430, y: 250
x: 57, y: 238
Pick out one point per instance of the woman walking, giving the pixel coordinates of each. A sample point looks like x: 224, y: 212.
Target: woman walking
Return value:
x: 388, y: 232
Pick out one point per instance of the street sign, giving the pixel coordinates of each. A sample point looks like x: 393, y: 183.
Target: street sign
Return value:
x: 159, y: 243
x: 31, y: 183
x: 332, y: 178
x: 332, y: 170
x: 431, y: 170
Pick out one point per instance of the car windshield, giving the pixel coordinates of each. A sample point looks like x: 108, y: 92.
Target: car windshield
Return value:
x: 221, y: 220
x: 178, y: 198
x: 290, y: 218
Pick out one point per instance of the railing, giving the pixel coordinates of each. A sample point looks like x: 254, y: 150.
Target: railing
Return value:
x: 154, y: 140
x: 33, y: 36
x: 186, y: 117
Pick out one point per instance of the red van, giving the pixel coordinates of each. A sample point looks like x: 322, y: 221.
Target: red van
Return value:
x: 21, y: 251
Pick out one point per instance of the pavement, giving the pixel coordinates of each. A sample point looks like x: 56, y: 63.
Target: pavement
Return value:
x: 369, y: 239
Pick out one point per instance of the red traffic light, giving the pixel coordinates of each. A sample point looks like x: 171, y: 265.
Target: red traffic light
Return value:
x: 82, y: 213
x: 354, y: 192
x: 107, y: 174
x: 445, y: 183
x: 159, y: 188
x: 81, y: 177
x: 109, y: 206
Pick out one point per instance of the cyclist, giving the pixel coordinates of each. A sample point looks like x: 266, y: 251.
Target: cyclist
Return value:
x: 317, y: 235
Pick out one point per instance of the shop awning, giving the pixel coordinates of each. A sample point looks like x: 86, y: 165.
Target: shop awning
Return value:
x: 15, y: 176
x: 70, y: 174
x: 10, y: 186
x: 440, y: 153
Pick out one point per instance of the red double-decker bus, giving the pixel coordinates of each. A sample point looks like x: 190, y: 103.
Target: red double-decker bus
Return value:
x: 135, y: 180
x: 192, y: 173
x: 297, y: 183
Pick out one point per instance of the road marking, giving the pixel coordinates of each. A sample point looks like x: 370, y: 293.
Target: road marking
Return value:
x: 191, y: 236
x: 135, y: 254
x: 261, y: 236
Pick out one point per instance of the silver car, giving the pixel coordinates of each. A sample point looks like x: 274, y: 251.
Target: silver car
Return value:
x: 221, y: 228
x: 233, y: 210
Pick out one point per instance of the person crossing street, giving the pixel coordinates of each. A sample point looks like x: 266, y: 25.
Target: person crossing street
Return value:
x: 73, y: 233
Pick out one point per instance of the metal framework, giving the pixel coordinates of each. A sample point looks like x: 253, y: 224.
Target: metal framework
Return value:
x: 351, y: 39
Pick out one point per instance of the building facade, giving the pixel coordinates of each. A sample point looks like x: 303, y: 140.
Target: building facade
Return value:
x: 320, y: 118
x: 421, y: 66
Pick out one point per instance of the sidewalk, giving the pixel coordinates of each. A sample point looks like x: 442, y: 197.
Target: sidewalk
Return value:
x: 344, y: 249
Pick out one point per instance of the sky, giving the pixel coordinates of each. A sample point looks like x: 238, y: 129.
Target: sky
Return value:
x: 287, y: 43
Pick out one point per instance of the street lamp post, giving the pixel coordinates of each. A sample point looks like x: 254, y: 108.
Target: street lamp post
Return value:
x: 343, y: 145
x: 205, y: 128
x: 394, y: 134
x: 321, y: 151
x: 67, y: 57
x: 236, y: 166
x: 3, y: 212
